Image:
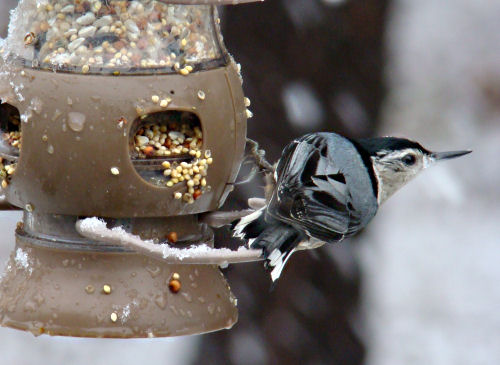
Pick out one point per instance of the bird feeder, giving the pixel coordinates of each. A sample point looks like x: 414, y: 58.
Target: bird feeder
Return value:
x: 131, y: 111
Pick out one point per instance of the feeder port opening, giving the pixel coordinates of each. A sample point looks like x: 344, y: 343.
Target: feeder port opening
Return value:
x: 10, y: 141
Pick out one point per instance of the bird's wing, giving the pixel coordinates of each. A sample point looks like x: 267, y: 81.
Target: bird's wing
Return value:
x: 311, y: 190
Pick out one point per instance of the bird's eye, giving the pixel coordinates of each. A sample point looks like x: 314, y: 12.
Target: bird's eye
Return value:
x: 409, y: 159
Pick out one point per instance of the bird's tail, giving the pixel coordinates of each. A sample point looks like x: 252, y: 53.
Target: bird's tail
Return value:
x: 278, y: 241
x: 250, y: 226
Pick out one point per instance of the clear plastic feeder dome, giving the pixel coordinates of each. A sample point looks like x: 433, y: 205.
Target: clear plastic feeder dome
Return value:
x: 133, y: 112
x: 126, y: 36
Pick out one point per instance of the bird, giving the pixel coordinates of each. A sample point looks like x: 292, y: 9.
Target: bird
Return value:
x: 326, y: 187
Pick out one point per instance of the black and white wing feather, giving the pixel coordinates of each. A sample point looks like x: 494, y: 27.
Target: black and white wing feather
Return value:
x: 314, y: 182
x: 322, y: 192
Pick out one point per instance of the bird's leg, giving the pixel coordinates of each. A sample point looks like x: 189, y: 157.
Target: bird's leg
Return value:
x: 259, y: 156
x: 260, y: 164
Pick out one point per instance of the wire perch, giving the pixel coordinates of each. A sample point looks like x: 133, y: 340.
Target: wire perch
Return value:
x: 95, y: 229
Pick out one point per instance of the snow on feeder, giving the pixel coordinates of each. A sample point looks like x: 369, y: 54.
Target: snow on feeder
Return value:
x: 131, y: 111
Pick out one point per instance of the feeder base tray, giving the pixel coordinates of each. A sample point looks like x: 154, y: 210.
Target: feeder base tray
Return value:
x: 117, y: 295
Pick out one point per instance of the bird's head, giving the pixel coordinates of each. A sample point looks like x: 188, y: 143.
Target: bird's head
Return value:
x: 396, y: 161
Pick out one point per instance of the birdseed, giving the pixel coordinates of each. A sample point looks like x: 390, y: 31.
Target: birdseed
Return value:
x: 176, y: 135
x: 106, y: 289
x: 116, y: 35
x: 12, y: 139
x: 174, y: 286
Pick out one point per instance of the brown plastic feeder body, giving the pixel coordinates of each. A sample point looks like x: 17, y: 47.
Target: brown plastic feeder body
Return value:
x: 55, y: 279
x: 61, y: 292
x: 75, y: 177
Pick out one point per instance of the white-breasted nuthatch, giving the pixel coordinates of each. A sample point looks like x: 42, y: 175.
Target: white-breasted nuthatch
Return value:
x: 326, y: 187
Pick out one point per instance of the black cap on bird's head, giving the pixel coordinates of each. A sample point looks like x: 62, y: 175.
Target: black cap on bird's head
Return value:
x: 380, y: 145
x: 395, y: 161
x: 383, y: 145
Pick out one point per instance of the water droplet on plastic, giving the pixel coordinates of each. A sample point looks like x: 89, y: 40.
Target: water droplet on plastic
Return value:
x: 187, y: 297
x: 76, y: 121
x: 57, y: 114
x: 100, y: 317
x: 36, y: 105
x: 38, y: 298
x: 153, y: 271
x: 174, y: 310
x: 211, y: 308
x: 161, y: 301
x: 30, y: 306
x: 25, y: 117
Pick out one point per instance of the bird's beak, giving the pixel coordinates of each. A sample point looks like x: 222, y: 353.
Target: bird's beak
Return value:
x: 437, y: 156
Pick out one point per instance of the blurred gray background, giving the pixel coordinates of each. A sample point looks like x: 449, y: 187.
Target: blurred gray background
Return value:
x: 421, y: 284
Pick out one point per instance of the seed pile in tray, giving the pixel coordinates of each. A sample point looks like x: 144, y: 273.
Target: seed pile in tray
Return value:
x: 178, y: 139
x: 120, y: 35
x: 170, y: 139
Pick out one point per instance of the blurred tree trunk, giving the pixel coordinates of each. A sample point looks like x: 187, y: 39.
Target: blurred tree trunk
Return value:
x: 337, y: 50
